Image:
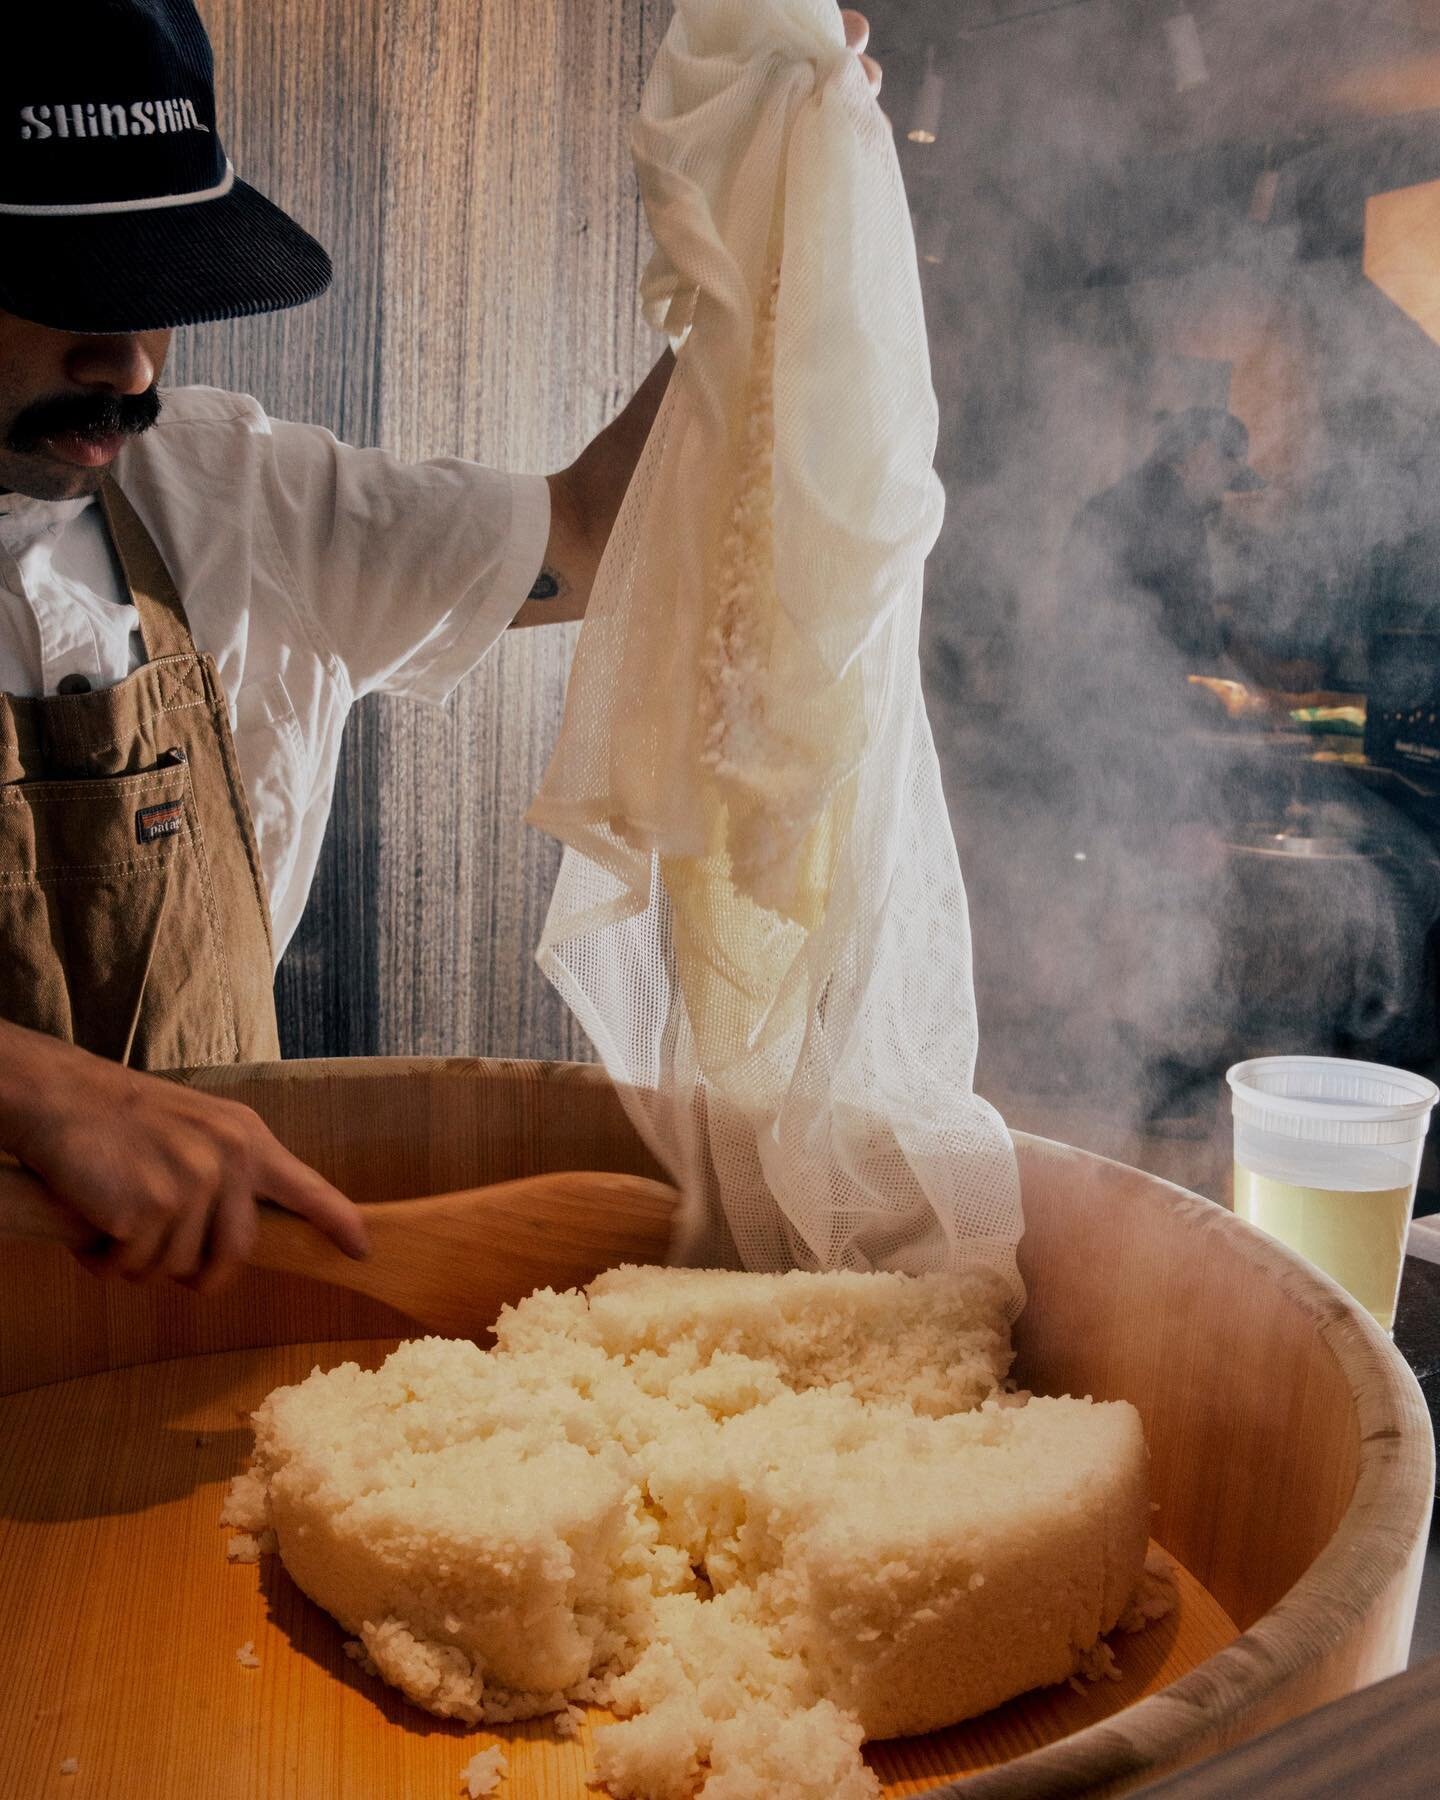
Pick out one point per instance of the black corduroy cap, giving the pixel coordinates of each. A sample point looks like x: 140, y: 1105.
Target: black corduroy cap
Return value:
x: 119, y: 210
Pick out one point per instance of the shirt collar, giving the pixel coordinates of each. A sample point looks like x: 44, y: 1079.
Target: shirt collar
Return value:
x: 24, y: 522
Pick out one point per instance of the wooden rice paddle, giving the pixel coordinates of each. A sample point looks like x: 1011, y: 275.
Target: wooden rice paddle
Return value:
x: 448, y: 1261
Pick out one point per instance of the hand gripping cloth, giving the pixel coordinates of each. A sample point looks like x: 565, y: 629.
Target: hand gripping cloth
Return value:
x: 759, y: 918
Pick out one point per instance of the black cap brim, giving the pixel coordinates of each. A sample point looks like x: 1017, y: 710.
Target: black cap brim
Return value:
x: 154, y: 269
x: 1246, y: 481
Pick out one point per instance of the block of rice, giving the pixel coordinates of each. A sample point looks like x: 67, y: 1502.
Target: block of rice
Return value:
x: 764, y: 1517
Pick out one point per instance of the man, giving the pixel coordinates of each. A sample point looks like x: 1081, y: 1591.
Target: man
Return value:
x: 1143, y: 547
x: 1135, y: 614
x: 191, y: 597
x: 1109, y: 733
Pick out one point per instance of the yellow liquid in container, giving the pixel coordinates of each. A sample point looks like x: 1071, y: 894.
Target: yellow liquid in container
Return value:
x: 1358, y: 1238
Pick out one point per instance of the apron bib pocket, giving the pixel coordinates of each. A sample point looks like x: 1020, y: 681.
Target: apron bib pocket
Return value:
x: 112, y: 874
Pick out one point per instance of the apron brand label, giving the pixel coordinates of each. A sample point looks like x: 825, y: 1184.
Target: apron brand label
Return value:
x: 163, y: 820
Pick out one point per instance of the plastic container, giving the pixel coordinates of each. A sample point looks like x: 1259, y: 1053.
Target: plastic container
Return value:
x: 1327, y: 1154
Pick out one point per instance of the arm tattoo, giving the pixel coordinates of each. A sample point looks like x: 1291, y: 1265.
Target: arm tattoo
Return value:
x: 550, y: 584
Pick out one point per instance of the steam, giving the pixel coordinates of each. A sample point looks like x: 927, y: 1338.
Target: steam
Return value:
x: 1120, y: 219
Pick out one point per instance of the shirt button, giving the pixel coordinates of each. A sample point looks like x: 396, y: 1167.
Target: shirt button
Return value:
x: 74, y: 684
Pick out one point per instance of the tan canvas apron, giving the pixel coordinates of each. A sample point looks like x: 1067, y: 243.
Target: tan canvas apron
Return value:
x: 133, y: 915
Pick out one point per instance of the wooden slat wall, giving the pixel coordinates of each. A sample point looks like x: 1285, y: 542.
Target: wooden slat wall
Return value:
x: 465, y: 163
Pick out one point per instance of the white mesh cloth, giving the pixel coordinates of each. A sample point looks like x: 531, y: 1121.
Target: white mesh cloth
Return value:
x: 759, y: 918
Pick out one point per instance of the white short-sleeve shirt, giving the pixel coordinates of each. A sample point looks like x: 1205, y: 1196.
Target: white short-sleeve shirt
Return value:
x: 311, y: 571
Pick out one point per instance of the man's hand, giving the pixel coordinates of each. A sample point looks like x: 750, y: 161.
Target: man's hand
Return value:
x: 857, y: 36
x: 585, y: 498
x: 168, y: 1176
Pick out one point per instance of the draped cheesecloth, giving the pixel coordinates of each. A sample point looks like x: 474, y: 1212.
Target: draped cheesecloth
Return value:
x: 759, y: 919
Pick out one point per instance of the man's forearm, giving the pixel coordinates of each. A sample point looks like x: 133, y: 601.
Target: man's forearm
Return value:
x: 584, y: 503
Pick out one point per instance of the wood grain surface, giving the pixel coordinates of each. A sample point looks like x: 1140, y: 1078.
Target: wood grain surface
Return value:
x: 1383, y: 1741
x: 466, y: 165
x: 1292, y: 1460
x: 109, y: 1521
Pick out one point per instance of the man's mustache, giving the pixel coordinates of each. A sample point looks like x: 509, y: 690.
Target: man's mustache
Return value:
x: 84, y: 415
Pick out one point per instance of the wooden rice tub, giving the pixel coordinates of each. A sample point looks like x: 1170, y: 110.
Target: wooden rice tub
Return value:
x: 1292, y: 1464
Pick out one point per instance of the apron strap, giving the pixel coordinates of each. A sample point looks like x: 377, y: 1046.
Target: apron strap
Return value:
x: 163, y: 625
